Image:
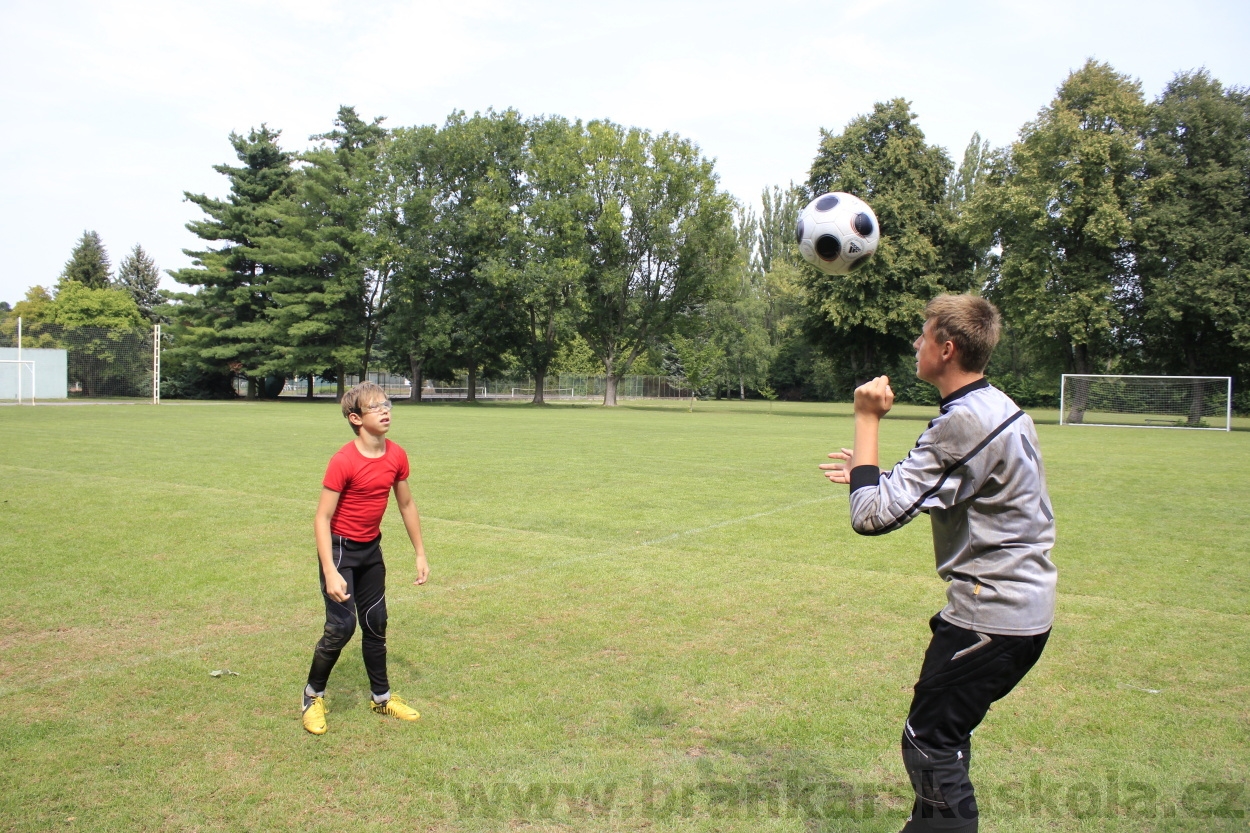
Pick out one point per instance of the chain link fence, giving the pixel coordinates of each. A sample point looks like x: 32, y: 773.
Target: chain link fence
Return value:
x: 561, y: 386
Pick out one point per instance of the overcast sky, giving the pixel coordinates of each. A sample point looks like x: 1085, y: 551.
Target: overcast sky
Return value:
x: 113, y: 109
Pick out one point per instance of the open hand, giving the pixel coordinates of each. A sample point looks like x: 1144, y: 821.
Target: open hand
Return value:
x: 839, y: 472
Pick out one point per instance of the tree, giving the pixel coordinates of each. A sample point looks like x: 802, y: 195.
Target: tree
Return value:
x: 774, y: 242
x: 417, y: 330
x: 963, y: 183
x: 224, y: 325
x: 550, y: 258
x: 79, y: 305
x: 474, y: 170
x: 699, y: 361
x: 139, y: 276
x: 89, y: 264
x: 1063, y: 210
x: 775, y: 256
x: 34, y: 310
x: 739, y: 318
x: 96, y: 326
x: 330, y: 256
x: 869, y: 318
x: 1194, y: 236
x: 661, y: 240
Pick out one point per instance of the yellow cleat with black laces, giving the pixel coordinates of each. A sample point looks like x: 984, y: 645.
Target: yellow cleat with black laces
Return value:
x: 395, y: 707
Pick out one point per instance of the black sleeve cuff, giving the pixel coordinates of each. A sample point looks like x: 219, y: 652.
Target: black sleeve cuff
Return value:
x: 864, y: 476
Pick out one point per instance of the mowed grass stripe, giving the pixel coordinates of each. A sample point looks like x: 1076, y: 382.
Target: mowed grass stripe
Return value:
x: 303, y: 502
x: 139, y: 635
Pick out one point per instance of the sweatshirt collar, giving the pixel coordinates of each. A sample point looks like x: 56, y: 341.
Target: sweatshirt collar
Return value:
x: 965, y: 390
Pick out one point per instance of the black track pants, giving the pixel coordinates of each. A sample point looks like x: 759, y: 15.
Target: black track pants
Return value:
x: 963, y: 673
x: 361, y: 566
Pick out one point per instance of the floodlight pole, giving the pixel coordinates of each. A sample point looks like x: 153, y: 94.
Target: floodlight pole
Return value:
x: 19, y: 363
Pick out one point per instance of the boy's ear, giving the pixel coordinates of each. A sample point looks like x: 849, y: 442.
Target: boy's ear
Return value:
x: 949, y: 351
x: 355, y: 419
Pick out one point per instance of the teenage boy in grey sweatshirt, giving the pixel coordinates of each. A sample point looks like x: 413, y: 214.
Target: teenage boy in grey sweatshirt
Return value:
x: 977, y: 472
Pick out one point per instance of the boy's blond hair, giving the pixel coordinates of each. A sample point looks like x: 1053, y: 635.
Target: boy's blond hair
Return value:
x: 971, y: 322
x: 359, y: 397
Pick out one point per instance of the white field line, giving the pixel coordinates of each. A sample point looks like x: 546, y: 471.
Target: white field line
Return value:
x: 110, y: 668
x: 310, y: 503
x: 619, y: 550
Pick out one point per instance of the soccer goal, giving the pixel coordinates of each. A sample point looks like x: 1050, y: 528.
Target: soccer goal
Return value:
x: 548, y: 393
x: 23, y: 368
x: 1202, y: 402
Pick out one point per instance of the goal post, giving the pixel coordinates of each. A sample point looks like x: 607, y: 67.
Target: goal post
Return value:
x: 156, y: 364
x: 19, y: 365
x: 1195, y: 402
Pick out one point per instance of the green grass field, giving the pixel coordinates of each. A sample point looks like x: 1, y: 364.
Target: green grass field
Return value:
x: 638, y: 619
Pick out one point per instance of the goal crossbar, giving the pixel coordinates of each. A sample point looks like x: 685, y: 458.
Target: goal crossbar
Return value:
x: 29, y: 364
x: 1193, y: 402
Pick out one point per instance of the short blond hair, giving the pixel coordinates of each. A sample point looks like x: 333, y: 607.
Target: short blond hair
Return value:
x: 360, y: 397
x: 971, y: 322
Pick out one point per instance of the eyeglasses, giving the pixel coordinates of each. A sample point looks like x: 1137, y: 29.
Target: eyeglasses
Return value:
x: 378, y: 407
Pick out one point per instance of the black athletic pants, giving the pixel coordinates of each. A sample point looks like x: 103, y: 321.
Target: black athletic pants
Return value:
x: 360, y: 565
x: 963, y: 673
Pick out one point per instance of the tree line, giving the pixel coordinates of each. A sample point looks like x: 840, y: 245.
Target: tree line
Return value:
x: 1112, y: 234
x: 89, y: 294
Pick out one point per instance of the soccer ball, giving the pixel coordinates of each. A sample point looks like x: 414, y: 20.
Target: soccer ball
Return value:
x: 837, y: 233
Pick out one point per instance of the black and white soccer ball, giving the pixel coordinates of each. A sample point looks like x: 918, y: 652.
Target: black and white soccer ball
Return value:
x: 837, y: 233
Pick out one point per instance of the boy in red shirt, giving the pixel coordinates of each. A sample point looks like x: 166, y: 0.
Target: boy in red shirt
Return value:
x: 354, y: 493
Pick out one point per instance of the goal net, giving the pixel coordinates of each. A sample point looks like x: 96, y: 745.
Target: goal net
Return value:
x: 1147, y: 401
x: 99, y: 361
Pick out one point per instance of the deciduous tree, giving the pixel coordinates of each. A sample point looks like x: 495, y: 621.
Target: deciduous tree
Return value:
x: 661, y: 241
x: 473, y: 169
x: 1194, y: 237
x: 551, y: 255
x: 869, y: 318
x: 1064, y: 210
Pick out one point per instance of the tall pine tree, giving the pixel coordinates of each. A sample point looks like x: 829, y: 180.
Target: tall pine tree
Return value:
x: 139, y: 276
x: 89, y: 263
x: 226, y: 323
x: 329, y: 257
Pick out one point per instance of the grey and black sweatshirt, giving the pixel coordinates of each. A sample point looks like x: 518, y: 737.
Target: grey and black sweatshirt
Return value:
x: 978, y: 473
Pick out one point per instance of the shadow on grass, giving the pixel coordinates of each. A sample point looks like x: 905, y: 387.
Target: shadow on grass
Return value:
x: 781, y: 781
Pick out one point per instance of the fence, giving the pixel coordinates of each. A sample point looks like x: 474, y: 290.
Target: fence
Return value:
x: 562, y: 386
x: 99, y: 361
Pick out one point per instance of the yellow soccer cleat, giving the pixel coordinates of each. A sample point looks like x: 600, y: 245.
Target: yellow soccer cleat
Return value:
x: 395, y: 707
x: 315, y: 715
